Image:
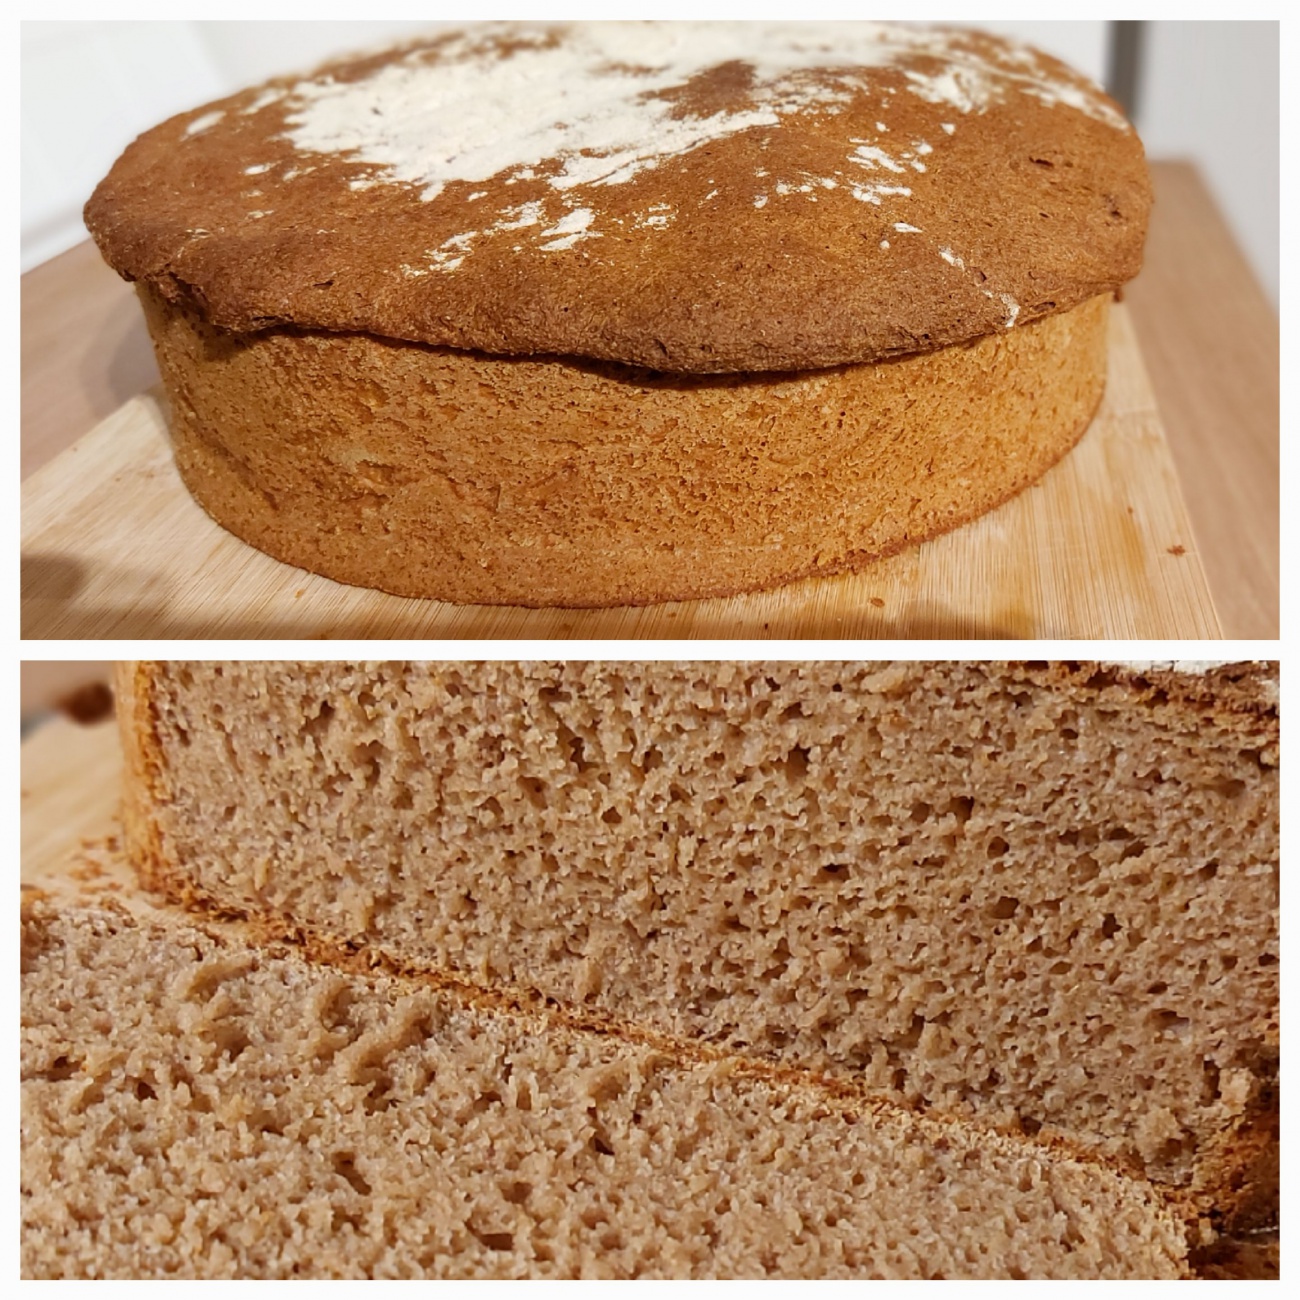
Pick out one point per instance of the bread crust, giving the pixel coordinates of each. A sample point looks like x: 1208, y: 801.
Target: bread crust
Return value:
x: 903, y: 191
x: 464, y: 477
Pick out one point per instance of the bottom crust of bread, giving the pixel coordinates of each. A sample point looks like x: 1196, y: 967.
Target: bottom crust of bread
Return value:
x: 458, y: 476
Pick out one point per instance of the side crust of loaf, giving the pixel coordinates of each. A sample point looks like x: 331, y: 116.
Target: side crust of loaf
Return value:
x: 478, y: 479
x: 197, y: 1102
x: 1209, y: 1129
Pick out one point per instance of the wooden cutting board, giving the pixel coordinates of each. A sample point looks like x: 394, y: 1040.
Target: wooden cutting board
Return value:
x: 113, y: 546
x: 71, y: 787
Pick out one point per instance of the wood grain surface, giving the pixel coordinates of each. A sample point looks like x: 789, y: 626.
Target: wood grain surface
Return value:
x: 71, y: 788
x: 1208, y: 336
x: 1210, y: 340
x: 113, y: 546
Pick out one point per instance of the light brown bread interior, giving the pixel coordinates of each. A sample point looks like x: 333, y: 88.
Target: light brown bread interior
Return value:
x: 201, y: 1103
x: 1044, y: 896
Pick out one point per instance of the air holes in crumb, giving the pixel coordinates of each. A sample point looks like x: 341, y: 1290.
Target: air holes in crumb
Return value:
x: 920, y: 811
x: 1209, y: 870
x: 833, y: 868
x: 143, y: 1091
x: 1164, y: 1021
x: 517, y: 1193
x: 495, y: 1240
x: 1110, y: 927
x: 317, y: 727
x: 533, y: 789
x: 230, y: 1041
x: 796, y: 763
x: 1174, y: 1150
x: 345, y: 1167
x: 1084, y: 869
x: 1228, y: 788
x: 265, y: 1121
x: 997, y: 847
x: 961, y: 808
x: 611, y: 817
x: 61, y: 1070
x: 1004, y: 908
x: 484, y: 1102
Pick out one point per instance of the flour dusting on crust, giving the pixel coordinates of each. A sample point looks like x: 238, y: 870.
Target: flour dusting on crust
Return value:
x: 597, y: 105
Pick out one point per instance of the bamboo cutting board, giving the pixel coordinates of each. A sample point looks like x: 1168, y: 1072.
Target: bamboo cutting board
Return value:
x: 113, y: 546
x: 71, y: 788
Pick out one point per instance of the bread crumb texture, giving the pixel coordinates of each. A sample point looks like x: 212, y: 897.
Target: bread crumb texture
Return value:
x: 197, y: 1106
x: 1040, y: 895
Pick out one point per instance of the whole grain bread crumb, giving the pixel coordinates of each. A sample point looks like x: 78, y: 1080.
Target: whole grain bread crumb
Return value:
x: 1043, y: 896
x: 197, y: 1104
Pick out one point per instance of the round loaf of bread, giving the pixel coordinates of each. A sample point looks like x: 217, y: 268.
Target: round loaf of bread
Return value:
x: 624, y: 313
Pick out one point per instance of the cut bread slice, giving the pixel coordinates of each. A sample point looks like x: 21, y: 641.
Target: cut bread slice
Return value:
x: 198, y: 1101
x: 1041, y: 895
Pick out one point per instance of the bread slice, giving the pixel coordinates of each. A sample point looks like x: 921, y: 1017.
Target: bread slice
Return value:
x: 1041, y: 895
x: 200, y: 1102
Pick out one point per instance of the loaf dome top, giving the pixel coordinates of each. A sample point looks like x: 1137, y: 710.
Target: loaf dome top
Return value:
x: 703, y: 197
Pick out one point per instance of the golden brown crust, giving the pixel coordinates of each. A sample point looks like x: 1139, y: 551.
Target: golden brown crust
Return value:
x: 877, y: 220
x: 1253, y: 1257
x: 142, y: 769
x: 464, y: 477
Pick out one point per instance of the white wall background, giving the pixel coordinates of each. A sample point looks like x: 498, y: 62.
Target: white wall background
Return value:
x: 1209, y: 92
x: 88, y: 88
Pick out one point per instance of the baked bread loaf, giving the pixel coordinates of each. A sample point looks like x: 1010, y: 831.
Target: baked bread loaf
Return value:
x: 1041, y: 895
x: 197, y: 1102
x: 622, y: 313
